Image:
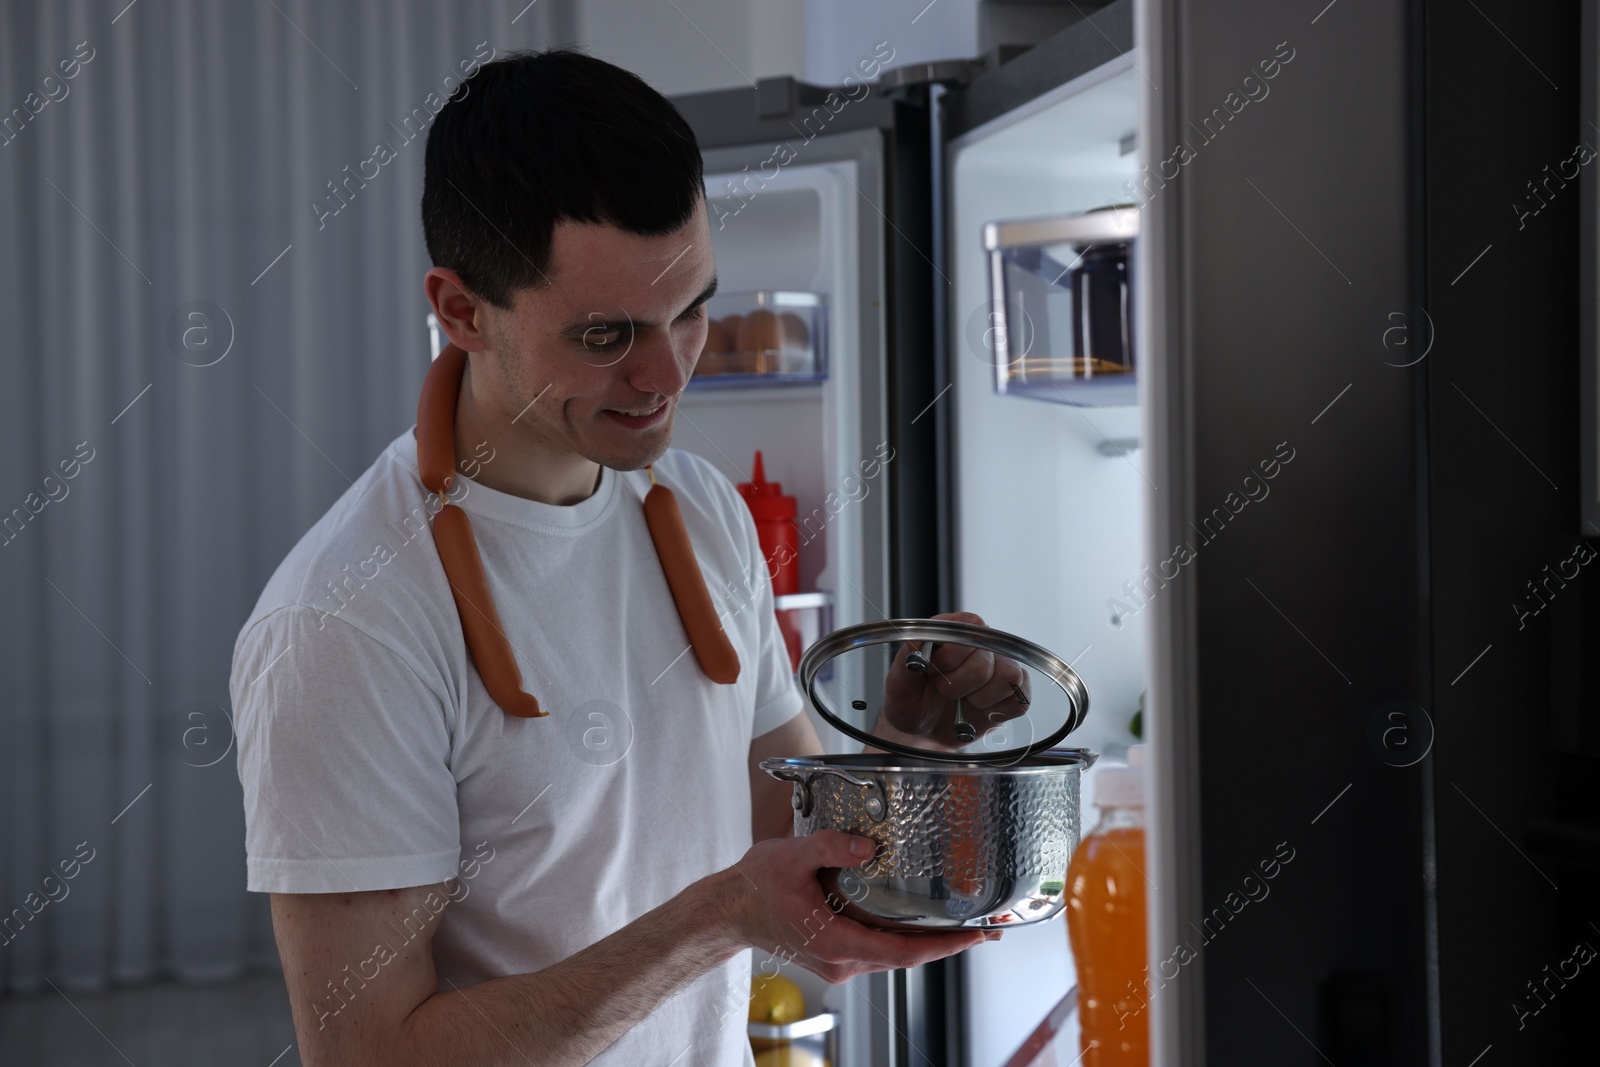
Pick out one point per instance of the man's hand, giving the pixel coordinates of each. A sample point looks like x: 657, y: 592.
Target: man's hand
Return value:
x: 779, y: 906
x: 919, y: 707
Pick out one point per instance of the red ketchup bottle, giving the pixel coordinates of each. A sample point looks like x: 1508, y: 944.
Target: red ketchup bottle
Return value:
x: 780, y: 544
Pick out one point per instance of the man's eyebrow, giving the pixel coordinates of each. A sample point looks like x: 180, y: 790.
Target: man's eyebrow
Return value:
x: 594, y: 321
x: 705, y: 294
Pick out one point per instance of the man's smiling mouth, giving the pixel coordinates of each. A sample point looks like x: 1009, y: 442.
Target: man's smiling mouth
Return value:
x: 639, y: 418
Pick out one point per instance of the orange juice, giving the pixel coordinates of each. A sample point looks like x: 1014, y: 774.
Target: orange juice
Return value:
x: 1105, y: 926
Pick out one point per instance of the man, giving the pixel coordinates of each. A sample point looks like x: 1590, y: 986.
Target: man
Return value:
x: 454, y: 884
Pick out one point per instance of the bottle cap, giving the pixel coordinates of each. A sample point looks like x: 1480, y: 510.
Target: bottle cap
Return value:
x: 1122, y: 787
x: 766, y: 499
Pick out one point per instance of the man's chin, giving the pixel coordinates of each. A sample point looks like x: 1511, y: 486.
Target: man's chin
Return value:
x: 632, y: 459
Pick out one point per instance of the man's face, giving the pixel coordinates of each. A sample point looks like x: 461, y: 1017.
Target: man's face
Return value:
x: 603, y: 352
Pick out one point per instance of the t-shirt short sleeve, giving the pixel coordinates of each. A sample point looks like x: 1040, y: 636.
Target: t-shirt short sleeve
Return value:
x: 344, y: 755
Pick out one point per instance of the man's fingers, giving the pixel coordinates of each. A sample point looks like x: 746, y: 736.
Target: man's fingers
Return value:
x: 960, y: 616
x: 925, y: 948
x: 1003, y: 686
x: 852, y: 941
x: 965, y: 677
x: 834, y: 848
x: 994, y: 692
x: 902, y: 683
x: 948, y: 658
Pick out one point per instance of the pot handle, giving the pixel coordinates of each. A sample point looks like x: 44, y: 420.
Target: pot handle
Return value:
x: 802, y: 784
x: 876, y: 805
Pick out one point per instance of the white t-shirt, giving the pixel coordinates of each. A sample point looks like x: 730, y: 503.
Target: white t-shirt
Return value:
x: 372, y: 757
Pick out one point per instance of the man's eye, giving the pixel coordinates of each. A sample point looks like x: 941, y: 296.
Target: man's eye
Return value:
x: 696, y: 312
x: 599, y: 337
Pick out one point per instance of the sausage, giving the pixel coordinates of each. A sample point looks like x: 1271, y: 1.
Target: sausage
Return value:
x: 436, y: 419
x: 710, y: 641
x: 480, y: 622
x: 458, y: 550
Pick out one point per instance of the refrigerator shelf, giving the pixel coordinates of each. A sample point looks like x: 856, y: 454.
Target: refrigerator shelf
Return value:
x: 802, y: 619
x: 814, y: 1041
x: 1112, y: 390
x: 793, y: 601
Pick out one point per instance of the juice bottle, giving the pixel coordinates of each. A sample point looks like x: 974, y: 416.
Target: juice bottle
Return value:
x: 1105, y: 922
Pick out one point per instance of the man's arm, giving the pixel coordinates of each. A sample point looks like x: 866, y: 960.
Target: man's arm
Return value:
x: 356, y: 1007
x: 564, y: 1014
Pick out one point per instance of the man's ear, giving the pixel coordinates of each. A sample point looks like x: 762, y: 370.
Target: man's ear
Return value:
x: 462, y: 315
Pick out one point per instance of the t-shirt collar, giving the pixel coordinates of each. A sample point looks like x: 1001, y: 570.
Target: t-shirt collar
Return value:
x: 480, y: 500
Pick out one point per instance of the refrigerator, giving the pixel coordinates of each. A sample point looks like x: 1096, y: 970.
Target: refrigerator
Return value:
x: 872, y: 201
x: 1338, y: 663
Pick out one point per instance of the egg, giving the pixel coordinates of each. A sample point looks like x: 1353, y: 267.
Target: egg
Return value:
x: 761, y: 340
x: 796, y: 343
x: 716, y: 338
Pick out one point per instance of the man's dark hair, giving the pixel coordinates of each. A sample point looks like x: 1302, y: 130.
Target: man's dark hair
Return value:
x: 539, y: 137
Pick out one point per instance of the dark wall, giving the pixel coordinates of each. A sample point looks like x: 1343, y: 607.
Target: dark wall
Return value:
x: 1502, y: 105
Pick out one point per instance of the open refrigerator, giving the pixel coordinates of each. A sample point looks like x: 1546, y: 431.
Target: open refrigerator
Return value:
x: 1016, y: 496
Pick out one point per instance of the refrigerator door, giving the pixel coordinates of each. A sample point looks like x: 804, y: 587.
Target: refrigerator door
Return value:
x: 1049, y: 497
x: 1282, y: 652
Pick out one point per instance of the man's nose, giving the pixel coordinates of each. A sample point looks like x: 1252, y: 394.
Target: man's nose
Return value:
x: 657, y: 367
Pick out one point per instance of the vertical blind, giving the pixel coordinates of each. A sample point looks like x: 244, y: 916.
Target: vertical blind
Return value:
x: 211, y: 291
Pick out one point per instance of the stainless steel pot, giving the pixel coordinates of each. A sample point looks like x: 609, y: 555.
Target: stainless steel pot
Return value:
x: 963, y: 840
x: 958, y: 845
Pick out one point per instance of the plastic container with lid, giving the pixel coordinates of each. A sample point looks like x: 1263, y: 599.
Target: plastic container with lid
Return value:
x: 1106, y: 922
x: 764, y: 337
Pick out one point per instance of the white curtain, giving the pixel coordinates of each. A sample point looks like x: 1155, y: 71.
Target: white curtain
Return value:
x: 195, y: 366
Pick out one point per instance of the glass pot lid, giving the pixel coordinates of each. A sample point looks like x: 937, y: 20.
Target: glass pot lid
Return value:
x: 947, y: 690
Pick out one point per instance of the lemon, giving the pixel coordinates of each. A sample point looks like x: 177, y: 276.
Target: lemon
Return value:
x: 789, y: 1056
x: 776, y: 1001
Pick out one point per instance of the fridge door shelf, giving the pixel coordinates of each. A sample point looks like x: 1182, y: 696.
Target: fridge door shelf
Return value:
x: 762, y: 338
x: 1060, y: 322
x: 810, y: 1041
x: 802, y: 619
